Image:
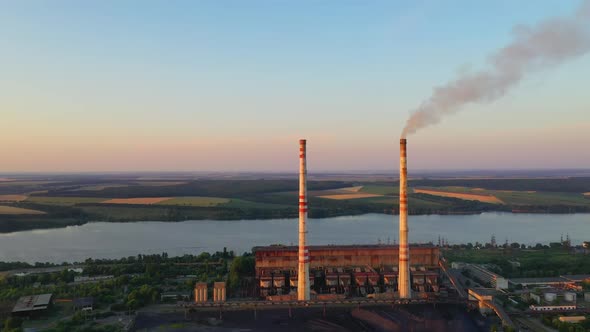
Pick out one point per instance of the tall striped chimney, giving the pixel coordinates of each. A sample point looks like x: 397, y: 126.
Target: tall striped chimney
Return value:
x: 403, y: 281
x: 303, y: 274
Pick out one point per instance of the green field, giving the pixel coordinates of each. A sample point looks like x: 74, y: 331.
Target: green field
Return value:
x: 542, y: 198
x: 17, y: 211
x: 521, y: 198
x: 244, y: 204
x: 380, y: 189
x: 194, y: 201
x: 126, y: 213
x: 64, y: 201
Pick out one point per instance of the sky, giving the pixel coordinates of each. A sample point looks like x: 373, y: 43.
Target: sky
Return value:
x: 233, y: 85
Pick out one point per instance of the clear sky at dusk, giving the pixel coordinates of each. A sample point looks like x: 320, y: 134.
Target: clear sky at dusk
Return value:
x: 232, y: 86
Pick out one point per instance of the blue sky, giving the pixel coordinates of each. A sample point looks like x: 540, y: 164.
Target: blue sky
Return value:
x: 232, y: 85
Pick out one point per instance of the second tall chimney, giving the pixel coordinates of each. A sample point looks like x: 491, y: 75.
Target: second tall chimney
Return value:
x: 303, y: 271
x: 403, y: 281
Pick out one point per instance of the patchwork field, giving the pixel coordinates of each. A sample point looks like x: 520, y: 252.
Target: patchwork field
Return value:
x: 350, y: 196
x: 469, y: 197
x: 64, y: 201
x: 12, y: 198
x: 16, y: 210
x: 137, y: 200
x: 194, y: 201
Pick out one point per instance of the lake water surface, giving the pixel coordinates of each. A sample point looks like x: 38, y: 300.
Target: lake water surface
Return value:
x: 114, y: 240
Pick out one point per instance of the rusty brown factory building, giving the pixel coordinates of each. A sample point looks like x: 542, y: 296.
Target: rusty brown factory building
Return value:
x: 347, y: 270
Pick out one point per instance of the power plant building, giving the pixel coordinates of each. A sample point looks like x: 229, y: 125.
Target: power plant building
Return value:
x: 354, y: 270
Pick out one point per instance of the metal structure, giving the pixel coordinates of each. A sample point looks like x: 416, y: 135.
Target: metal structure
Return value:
x: 303, y: 289
x: 404, y: 249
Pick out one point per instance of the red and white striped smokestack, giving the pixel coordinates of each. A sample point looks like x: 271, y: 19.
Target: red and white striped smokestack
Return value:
x: 303, y: 272
x: 403, y: 281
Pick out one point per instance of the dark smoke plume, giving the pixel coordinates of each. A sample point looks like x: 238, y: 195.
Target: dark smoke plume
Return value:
x: 549, y: 43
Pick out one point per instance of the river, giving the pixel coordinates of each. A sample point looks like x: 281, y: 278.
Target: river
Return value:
x: 115, y: 240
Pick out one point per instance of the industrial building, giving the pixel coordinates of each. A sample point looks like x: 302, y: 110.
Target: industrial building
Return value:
x: 351, y: 270
x: 479, y: 272
x: 32, y: 304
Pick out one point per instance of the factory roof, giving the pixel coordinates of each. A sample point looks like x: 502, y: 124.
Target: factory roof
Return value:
x: 82, y: 302
x: 576, y: 277
x: 278, y: 247
x: 537, y: 281
x: 32, y: 303
x: 484, y: 291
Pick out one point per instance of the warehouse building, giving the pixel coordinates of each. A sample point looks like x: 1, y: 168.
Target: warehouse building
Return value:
x: 32, y: 305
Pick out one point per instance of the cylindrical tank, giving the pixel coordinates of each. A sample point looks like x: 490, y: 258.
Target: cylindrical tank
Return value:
x: 570, y: 296
x: 549, y: 297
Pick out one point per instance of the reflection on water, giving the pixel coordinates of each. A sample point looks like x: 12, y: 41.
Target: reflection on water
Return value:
x: 114, y: 240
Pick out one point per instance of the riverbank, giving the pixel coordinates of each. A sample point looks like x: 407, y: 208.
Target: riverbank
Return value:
x: 118, y: 214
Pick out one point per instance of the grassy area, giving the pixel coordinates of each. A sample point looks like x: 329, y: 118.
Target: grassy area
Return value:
x: 380, y: 189
x: 64, y: 201
x: 240, y: 203
x: 542, y: 198
x: 195, y: 201
x: 160, y: 183
x: 123, y: 213
x: 17, y: 211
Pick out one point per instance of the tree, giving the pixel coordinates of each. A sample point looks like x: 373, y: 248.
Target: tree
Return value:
x: 240, y: 267
x: 12, y: 324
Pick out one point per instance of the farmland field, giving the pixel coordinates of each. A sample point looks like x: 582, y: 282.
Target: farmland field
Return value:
x: 63, y: 201
x: 240, y: 203
x: 355, y: 189
x: 469, y: 197
x: 26, y: 183
x: 13, y: 198
x: 381, y: 189
x: 137, y: 200
x: 350, y: 196
x: 194, y: 201
x: 16, y: 210
x: 101, y: 187
x: 160, y: 183
x: 540, y: 198
x: 75, y: 199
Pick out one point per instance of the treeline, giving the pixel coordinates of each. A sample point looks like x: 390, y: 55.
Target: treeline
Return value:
x: 55, y: 217
x: 211, y: 188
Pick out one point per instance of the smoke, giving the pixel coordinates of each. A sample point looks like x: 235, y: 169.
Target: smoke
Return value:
x: 549, y: 43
